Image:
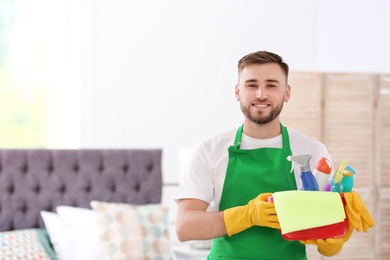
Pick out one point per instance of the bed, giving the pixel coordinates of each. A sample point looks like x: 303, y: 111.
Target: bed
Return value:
x: 82, y: 204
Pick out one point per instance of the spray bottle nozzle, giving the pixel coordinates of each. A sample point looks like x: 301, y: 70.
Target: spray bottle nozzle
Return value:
x: 302, y: 160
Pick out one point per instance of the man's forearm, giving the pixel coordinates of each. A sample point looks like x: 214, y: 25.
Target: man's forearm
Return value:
x: 200, y: 225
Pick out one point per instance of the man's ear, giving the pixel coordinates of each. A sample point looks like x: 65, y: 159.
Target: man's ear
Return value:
x: 287, y: 94
x: 237, y: 93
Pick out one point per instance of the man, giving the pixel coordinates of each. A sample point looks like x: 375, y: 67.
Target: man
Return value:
x: 223, y: 196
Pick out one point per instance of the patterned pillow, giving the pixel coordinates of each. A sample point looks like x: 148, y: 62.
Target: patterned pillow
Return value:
x: 132, y: 231
x: 26, y: 244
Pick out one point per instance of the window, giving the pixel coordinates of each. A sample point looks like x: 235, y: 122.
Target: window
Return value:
x: 38, y: 74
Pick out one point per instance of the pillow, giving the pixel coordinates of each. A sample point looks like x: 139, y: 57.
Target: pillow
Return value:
x: 81, y: 225
x: 58, y: 234
x: 73, y: 232
x: 26, y: 244
x: 136, y: 231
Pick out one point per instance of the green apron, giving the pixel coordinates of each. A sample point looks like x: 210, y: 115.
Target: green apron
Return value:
x: 249, y: 173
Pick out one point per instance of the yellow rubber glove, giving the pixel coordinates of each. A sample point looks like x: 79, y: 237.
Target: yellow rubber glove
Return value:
x: 258, y: 212
x: 330, y: 246
x: 358, y: 215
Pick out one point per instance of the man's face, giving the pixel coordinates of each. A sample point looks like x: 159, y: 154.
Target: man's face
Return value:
x: 262, y: 90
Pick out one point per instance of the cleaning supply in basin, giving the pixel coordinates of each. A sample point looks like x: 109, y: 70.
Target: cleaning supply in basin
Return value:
x: 336, y: 182
x: 348, y: 179
x: 322, y: 173
x: 308, y: 180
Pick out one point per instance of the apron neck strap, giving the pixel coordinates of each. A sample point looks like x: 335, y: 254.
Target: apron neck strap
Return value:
x: 237, y: 139
x: 285, y: 138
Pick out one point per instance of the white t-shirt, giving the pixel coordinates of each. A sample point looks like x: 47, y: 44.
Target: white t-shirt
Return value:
x: 206, y: 171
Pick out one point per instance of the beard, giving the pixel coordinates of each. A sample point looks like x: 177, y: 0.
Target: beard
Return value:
x: 259, y: 117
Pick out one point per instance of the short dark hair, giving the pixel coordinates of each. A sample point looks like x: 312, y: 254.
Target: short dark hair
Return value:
x: 262, y: 57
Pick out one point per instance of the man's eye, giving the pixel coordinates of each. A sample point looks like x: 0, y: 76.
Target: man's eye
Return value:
x: 252, y: 85
x: 271, y: 86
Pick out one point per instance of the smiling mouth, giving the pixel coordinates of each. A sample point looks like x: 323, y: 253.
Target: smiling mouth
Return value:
x: 261, y: 105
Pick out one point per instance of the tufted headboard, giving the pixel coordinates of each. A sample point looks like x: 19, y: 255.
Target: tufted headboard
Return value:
x: 32, y: 180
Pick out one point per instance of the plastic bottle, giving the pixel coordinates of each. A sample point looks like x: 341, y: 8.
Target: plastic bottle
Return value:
x: 336, y: 186
x: 322, y: 173
x: 307, y: 177
x: 348, y: 180
x: 336, y: 181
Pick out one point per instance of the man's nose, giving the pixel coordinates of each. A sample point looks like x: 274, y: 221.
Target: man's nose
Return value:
x: 261, y: 92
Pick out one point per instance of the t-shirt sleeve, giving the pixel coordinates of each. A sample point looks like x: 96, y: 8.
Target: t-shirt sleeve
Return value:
x: 197, y: 181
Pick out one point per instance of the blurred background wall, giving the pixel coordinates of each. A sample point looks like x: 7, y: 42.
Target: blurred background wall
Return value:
x: 162, y: 73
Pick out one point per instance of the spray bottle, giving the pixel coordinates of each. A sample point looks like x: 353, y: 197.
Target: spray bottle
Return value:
x: 322, y: 173
x: 307, y: 177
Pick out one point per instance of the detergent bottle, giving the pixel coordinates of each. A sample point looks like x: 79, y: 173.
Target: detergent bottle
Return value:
x: 307, y: 177
x: 347, y: 180
x: 322, y: 173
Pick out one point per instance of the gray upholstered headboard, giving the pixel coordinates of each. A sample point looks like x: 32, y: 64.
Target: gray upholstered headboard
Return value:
x: 32, y: 180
